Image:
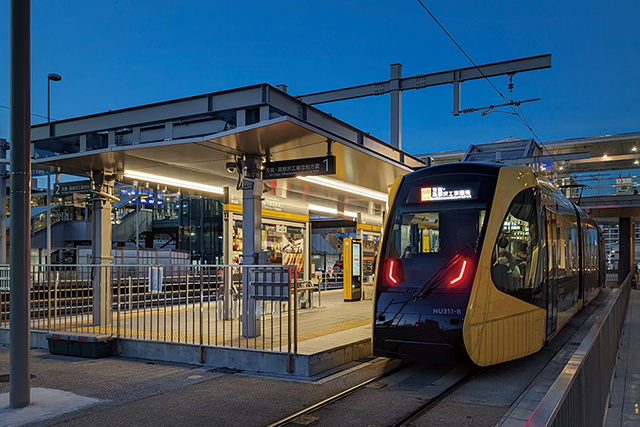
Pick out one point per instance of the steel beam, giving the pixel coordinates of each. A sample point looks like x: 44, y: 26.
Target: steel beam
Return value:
x: 159, y: 113
x: 547, y: 158
x: 435, y: 79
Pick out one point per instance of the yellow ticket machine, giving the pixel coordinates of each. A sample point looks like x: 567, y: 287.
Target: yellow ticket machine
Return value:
x: 352, y: 269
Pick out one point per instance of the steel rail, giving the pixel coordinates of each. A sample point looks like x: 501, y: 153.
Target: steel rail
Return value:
x: 426, y: 407
x: 339, y: 396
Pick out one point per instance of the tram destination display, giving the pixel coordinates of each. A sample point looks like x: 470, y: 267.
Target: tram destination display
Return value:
x: 300, y: 167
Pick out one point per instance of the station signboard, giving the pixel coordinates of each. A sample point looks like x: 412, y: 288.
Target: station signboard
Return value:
x: 61, y: 189
x: 300, y: 167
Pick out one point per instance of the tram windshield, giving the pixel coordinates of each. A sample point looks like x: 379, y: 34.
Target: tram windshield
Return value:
x: 434, y: 231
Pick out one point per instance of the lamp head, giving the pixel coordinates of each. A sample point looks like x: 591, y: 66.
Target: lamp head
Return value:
x: 54, y: 77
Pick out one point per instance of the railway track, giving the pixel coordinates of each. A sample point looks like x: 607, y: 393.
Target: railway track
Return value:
x: 438, y: 382
x: 417, y: 413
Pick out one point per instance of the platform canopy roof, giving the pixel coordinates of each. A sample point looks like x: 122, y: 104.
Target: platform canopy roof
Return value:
x: 192, y: 139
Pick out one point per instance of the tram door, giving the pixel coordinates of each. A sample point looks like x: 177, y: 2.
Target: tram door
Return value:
x: 552, y: 272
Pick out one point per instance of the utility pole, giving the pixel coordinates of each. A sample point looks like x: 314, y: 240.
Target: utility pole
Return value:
x: 20, y: 83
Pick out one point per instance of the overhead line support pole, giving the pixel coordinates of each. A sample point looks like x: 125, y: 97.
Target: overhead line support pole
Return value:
x: 434, y: 79
x: 397, y: 84
x: 4, y: 145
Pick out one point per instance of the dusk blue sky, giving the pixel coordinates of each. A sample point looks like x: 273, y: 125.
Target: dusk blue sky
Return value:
x: 117, y: 54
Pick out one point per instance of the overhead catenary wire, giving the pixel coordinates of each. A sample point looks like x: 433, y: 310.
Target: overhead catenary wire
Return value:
x: 33, y: 114
x: 508, y: 101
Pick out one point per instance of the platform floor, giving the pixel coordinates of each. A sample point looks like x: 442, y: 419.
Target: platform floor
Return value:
x: 332, y: 324
x: 336, y: 322
x: 624, y: 403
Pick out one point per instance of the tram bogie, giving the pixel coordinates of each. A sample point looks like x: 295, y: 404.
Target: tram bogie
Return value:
x: 480, y: 263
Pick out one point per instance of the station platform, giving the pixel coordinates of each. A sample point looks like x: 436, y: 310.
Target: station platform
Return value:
x: 624, y: 401
x: 331, y: 333
x: 334, y: 327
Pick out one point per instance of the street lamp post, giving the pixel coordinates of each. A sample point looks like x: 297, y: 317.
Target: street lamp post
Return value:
x: 55, y: 78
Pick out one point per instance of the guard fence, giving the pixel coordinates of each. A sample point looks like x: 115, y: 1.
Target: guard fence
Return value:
x: 579, y: 396
x: 191, y: 304
x: 330, y: 280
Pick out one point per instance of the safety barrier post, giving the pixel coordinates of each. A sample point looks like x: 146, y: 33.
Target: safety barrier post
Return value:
x: 118, y: 302
x: 295, y: 312
x: 48, y: 300
x: 201, y: 314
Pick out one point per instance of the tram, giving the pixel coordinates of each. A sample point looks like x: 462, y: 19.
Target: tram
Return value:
x: 481, y: 263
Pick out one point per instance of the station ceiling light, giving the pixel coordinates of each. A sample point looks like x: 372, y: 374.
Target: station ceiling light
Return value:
x: 333, y: 211
x: 349, y: 188
x: 323, y: 209
x: 173, y: 182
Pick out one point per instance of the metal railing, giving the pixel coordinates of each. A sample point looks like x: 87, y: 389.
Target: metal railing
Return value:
x: 603, y: 183
x: 191, y: 304
x: 331, y: 280
x: 579, y: 395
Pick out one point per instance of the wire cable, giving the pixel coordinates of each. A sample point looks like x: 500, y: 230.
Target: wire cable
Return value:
x: 522, y: 119
x: 33, y: 114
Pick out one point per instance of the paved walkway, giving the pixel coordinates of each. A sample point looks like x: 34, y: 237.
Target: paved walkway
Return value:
x: 624, y: 404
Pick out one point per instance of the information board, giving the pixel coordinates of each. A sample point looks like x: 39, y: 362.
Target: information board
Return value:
x: 68, y: 188
x: 357, y: 259
x: 300, y: 167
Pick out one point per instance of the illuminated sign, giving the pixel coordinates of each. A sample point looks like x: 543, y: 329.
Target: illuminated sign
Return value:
x: 62, y: 189
x: 300, y: 167
x: 429, y: 194
x: 356, y: 259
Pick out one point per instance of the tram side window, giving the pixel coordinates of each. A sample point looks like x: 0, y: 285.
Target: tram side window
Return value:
x: 514, y: 263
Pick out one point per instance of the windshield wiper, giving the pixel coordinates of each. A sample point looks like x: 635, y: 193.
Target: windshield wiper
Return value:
x: 436, y: 280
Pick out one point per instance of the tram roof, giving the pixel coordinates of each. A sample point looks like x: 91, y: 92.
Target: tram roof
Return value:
x: 193, y: 138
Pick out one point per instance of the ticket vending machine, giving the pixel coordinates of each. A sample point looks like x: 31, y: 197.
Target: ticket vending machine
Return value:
x: 352, y: 269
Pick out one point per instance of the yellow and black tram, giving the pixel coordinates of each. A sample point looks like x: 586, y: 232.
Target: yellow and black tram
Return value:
x: 481, y: 263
